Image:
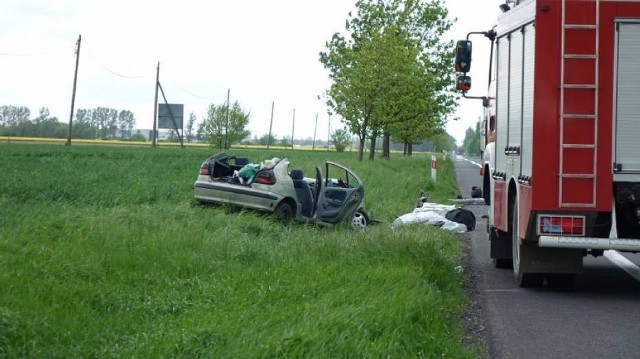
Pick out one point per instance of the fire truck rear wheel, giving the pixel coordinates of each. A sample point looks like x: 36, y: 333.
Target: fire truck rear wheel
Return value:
x: 530, y: 280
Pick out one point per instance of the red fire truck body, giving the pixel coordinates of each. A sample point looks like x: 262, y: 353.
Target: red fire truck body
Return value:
x: 563, y: 176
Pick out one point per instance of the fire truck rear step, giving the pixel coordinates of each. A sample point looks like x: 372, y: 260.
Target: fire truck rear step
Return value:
x: 621, y: 244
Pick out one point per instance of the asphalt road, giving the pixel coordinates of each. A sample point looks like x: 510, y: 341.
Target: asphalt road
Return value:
x: 598, y: 318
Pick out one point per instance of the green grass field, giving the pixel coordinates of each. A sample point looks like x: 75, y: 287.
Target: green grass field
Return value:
x: 105, y: 253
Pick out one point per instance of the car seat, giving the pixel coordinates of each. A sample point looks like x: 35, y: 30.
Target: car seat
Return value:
x: 303, y: 191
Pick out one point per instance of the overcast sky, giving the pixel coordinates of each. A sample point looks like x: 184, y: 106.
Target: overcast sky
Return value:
x: 264, y: 52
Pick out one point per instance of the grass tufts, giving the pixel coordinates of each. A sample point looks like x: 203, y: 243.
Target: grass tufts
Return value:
x: 104, y: 253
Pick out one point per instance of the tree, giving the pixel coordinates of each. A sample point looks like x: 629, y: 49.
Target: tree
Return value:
x: 103, y: 122
x: 12, y: 115
x: 284, y: 141
x: 443, y: 142
x: 46, y: 125
x: 83, y: 126
x: 225, y: 125
x: 266, y: 140
x: 126, y: 121
x: 112, y: 123
x: 138, y: 136
x: 190, y: 124
x: 471, y: 143
x: 200, y: 132
x: 392, y: 76
x: 341, y: 138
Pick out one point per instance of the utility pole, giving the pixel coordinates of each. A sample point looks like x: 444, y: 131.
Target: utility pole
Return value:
x: 154, y: 132
x: 315, y: 128
x: 293, y: 127
x: 73, y: 95
x: 226, y: 126
x: 329, y: 132
x: 270, y: 125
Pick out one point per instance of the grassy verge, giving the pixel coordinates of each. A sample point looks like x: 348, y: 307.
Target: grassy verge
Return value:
x: 104, y: 253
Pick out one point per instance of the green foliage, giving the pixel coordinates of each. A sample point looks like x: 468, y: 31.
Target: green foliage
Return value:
x: 106, y: 254
x: 471, y: 143
x: 11, y: 116
x: 138, y: 137
x: 393, y: 73
x: 341, y: 138
x: 14, y: 121
x: 265, y: 140
x: 443, y: 141
x: 285, y: 141
x: 189, y: 130
x: 103, y: 123
x: 225, y: 125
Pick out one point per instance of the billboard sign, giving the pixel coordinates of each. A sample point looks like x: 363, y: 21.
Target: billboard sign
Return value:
x: 165, y: 120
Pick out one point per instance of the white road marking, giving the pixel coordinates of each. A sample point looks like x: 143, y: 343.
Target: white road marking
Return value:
x: 515, y: 290
x: 468, y: 160
x: 622, y: 262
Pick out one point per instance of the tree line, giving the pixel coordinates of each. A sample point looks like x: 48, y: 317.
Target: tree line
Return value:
x: 226, y: 125
x: 101, y: 122
x: 215, y: 129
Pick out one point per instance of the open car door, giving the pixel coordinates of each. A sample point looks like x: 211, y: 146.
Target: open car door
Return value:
x: 338, y: 195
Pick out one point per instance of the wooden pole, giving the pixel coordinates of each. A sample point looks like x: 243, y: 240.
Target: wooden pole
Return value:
x: 315, y: 129
x: 226, y: 126
x: 73, y: 95
x: 293, y: 127
x: 270, y: 125
x: 329, y: 132
x: 154, y: 131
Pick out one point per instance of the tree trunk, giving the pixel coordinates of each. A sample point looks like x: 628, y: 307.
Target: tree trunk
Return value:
x: 410, y: 149
x: 361, y: 149
x: 386, y: 139
x: 404, y: 150
x: 372, y: 148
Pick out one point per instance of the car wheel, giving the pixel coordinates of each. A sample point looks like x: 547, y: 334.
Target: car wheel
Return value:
x: 360, y: 219
x: 284, y: 211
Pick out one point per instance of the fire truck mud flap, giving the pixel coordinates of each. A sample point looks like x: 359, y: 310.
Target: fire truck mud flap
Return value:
x: 534, y: 259
x: 500, y: 248
x: 557, y: 266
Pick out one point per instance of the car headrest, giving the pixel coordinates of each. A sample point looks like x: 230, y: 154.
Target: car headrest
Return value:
x: 296, y: 174
x: 241, y: 161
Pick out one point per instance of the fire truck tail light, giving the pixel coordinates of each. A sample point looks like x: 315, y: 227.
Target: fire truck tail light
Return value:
x: 561, y: 225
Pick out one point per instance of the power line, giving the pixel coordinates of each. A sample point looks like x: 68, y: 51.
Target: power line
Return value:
x: 112, y: 71
x: 189, y: 92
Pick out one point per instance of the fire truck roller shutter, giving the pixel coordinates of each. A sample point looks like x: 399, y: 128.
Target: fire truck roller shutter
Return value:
x: 627, y: 93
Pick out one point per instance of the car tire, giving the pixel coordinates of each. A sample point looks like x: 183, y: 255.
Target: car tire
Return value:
x: 284, y: 211
x: 360, y: 219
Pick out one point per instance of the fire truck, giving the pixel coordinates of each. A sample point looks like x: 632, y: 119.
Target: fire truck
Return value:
x: 562, y: 115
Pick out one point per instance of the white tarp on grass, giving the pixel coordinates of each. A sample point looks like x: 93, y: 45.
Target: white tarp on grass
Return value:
x: 431, y: 214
